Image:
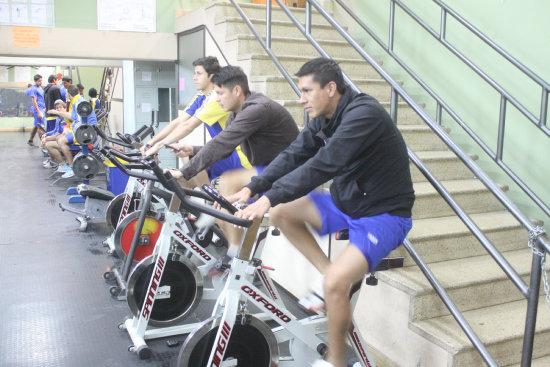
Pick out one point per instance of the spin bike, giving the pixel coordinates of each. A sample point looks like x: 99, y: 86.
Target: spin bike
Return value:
x: 137, y: 233
x: 232, y: 336
x: 164, y: 288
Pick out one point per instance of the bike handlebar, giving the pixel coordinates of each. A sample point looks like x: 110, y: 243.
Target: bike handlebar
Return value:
x: 168, y: 181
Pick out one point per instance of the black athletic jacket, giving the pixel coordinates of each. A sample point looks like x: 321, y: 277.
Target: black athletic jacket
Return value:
x: 359, y: 147
x: 51, y: 94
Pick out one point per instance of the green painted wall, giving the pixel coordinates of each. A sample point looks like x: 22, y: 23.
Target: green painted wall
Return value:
x: 83, y: 14
x: 521, y: 28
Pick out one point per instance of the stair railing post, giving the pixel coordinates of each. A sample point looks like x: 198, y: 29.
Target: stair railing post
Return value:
x: 501, y: 125
x: 308, y: 17
x: 543, y: 108
x: 392, y: 21
x: 393, y: 105
x: 443, y: 27
x: 438, y: 113
x: 532, y: 308
x: 268, y: 24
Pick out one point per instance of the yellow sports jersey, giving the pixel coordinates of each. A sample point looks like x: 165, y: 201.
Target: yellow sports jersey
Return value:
x: 212, y: 114
x: 214, y: 117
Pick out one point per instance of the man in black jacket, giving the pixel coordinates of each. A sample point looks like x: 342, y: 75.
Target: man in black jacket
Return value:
x: 51, y: 94
x: 352, y: 140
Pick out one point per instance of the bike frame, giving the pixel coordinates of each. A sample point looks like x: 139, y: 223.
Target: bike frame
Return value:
x: 171, y: 231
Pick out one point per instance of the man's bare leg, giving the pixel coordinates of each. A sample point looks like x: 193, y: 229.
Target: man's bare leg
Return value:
x: 64, y: 146
x: 291, y: 218
x: 54, y: 151
x: 231, y: 182
x: 33, y: 133
x: 346, y: 270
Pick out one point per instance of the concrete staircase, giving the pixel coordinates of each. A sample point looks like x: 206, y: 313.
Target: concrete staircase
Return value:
x: 402, y: 318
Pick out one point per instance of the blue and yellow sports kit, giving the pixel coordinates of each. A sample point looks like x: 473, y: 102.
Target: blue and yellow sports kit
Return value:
x: 38, y: 93
x: 92, y: 120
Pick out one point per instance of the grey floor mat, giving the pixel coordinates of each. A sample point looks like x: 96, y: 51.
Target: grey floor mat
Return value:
x: 56, y: 309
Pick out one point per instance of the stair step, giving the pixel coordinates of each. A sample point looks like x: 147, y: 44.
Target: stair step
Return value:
x: 247, y: 44
x: 539, y: 362
x: 472, y: 282
x: 280, y: 28
x: 470, y: 194
x: 261, y: 64
x: 446, y: 238
x: 445, y: 165
x: 224, y: 9
x: 421, y: 138
x: 406, y: 116
x: 499, y: 327
x: 277, y: 87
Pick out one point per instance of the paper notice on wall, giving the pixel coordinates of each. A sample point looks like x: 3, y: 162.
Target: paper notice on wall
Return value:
x: 22, y: 74
x: 26, y: 36
x: 3, y: 74
x: 146, y: 76
x: 145, y: 107
x: 127, y: 15
x: 182, y: 84
x: 39, y: 15
x: 45, y: 71
x: 4, y: 13
x: 19, y: 14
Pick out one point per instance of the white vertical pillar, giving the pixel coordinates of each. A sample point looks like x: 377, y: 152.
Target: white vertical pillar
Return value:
x: 129, y: 95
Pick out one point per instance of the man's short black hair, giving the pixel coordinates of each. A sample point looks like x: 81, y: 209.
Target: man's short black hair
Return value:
x: 73, y: 90
x: 67, y: 79
x: 80, y: 86
x: 324, y: 70
x: 37, y: 76
x: 92, y: 93
x: 209, y: 63
x: 52, y: 78
x: 29, y: 85
x: 230, y: 76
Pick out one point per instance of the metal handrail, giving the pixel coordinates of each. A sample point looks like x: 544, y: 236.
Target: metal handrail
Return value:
x: 496, y: 157
x: 531, y: 293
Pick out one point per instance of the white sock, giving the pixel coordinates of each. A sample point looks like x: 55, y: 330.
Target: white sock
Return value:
x: 232, y: 250
x: 317, y: 285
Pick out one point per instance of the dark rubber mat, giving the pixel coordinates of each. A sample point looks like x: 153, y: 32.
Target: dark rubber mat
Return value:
x: 56, y: 309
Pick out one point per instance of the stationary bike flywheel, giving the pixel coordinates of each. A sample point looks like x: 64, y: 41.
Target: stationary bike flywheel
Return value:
x: 115, y: 207
x: 124, y: 234
x: 251, y: 343
x: 178, y: 294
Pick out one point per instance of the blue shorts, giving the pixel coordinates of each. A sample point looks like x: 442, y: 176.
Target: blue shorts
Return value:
x: 374, y: 236
x: 40, y: 123
x: 70, y: 138
x: 230, y: 163
x: 50, y: 125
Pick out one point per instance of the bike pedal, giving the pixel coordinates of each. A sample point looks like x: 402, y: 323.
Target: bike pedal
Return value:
x: 173, y: 343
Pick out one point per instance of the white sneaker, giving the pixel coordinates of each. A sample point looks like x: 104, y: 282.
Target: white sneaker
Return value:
x: 321, y: 363
x: 49, y: 164
x: 315, y: 301
x: 63, y: 168
x: 69, y: 173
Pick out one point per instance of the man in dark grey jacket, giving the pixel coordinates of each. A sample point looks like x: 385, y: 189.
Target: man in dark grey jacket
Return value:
x: 260, y: 126
x: 352, y: 140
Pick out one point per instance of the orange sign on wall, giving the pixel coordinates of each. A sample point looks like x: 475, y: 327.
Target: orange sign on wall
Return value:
x: 264, y: 1
x: 26, y: 36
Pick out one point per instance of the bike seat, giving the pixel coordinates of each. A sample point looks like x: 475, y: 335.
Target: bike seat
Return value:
x: 95, y: 192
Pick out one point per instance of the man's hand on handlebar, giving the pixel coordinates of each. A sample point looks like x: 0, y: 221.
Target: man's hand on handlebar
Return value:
x: 180, y: 149
x: 153, y: 150
x: 241, y: 197
x: 176, y: 173
x: 256, y: 210
x: 144, y: 148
